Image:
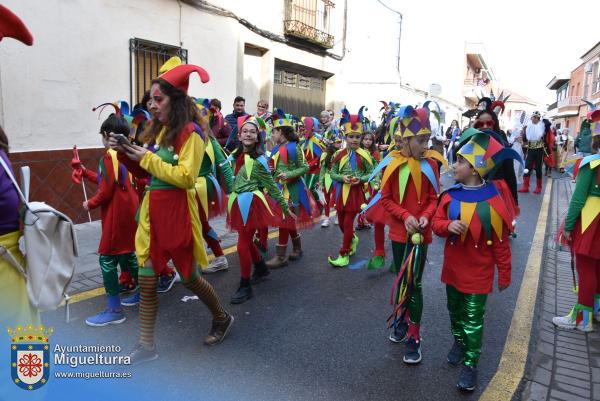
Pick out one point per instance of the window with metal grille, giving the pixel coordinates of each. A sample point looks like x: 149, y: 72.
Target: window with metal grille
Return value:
x: 146, y: 58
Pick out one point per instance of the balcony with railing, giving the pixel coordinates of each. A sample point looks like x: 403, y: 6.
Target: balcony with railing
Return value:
x: 309, y: 20
x: 570, y: 101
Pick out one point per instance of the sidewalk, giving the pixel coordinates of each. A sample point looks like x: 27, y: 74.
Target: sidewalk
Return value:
x: 87, y: 271
x: 566, y: 363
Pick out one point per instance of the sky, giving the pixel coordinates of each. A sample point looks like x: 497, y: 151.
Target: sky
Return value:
x: 528, y: 42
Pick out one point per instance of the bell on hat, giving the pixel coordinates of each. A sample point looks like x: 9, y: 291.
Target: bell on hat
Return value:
x: 179, y: 76
x: 11, y: 26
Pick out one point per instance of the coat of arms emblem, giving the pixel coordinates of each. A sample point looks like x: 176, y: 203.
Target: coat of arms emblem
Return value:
x: 30, y: 356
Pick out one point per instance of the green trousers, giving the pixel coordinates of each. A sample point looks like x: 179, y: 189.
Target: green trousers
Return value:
x: 110, y: 275
x: 400, y: 252
x: 466, y: 321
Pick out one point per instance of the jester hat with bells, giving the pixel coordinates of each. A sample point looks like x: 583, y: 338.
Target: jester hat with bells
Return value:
x: 352, y: 123
x: 484, y: 152
x: 409, y: 122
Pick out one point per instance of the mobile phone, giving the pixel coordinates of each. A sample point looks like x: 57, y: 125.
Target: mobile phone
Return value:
x: 122, y: 139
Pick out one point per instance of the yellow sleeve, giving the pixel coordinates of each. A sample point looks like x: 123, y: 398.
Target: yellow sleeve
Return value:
x: 184, y: 174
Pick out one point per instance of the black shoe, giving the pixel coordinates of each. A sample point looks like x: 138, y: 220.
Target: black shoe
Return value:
x: 412, y: 354
x: 456, y: 354
x: 243, y: 294
x: 142, y: 353
x: 218, y: 331
x: 165, y: 282
x: 261, y: 271
x: 467, y: 380
x: 398, y: 333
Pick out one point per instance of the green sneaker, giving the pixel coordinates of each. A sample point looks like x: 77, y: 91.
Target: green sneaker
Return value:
x: 340, y: 261
x: 376, y: 262
x: 353, y: 245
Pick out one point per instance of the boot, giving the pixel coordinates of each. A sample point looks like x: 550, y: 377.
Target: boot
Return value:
x: 296, y: 248
x: 243, y: 293
x: 261, y: 271
x: 538, y: 187
x: 525, y: 188
x: 280, y: 259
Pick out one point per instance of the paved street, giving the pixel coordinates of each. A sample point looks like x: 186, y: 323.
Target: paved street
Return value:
x: 310, y: 333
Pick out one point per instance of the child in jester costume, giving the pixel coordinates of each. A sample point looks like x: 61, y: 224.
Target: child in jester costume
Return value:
x: 325, y: 181
x: 118, y: 201
x: 211, y: 198
x: 406, y: 203
x: 582, y: 231
x: 476, y: 216
x: 313, y: 149
x: 289, y: 165
x: 350, y: 170
x: 249, y: 208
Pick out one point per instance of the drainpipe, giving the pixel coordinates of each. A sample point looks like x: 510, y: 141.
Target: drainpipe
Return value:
x: 399, y: 35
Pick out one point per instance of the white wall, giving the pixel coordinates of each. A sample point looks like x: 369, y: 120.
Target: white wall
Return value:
x: 80, y: 58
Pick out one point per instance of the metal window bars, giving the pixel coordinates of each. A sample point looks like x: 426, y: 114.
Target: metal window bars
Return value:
x: 146, y: 58
x: 310, y: 20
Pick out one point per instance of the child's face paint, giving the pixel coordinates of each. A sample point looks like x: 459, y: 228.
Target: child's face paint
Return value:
x: 160, y: 105
x: 353, y: 141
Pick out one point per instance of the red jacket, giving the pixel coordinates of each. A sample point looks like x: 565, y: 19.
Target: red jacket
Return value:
x: 469, y: 265
x: 118, y: 206
x: 399, y: 212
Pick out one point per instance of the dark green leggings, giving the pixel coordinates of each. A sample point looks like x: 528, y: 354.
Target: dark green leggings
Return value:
x: 110, y: 275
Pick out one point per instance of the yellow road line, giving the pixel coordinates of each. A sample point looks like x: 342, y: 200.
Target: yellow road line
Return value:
x: 514, y: 356
x: 82, y: 296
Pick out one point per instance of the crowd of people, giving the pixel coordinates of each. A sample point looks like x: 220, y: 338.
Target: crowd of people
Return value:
x: 175, y: 162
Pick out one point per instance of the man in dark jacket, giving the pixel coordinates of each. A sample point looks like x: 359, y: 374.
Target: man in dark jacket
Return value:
x: 239, y: 106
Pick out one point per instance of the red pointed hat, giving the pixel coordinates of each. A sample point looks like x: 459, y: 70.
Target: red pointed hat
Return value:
x: 179, y: 76
x: 11, y: 26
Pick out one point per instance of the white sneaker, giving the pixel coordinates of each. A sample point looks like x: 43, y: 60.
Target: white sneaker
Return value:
x: 567, y: 322
x: 335, y: 220
x: 217, y: 264
x: 325, y: 223
x: 564, y: 322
